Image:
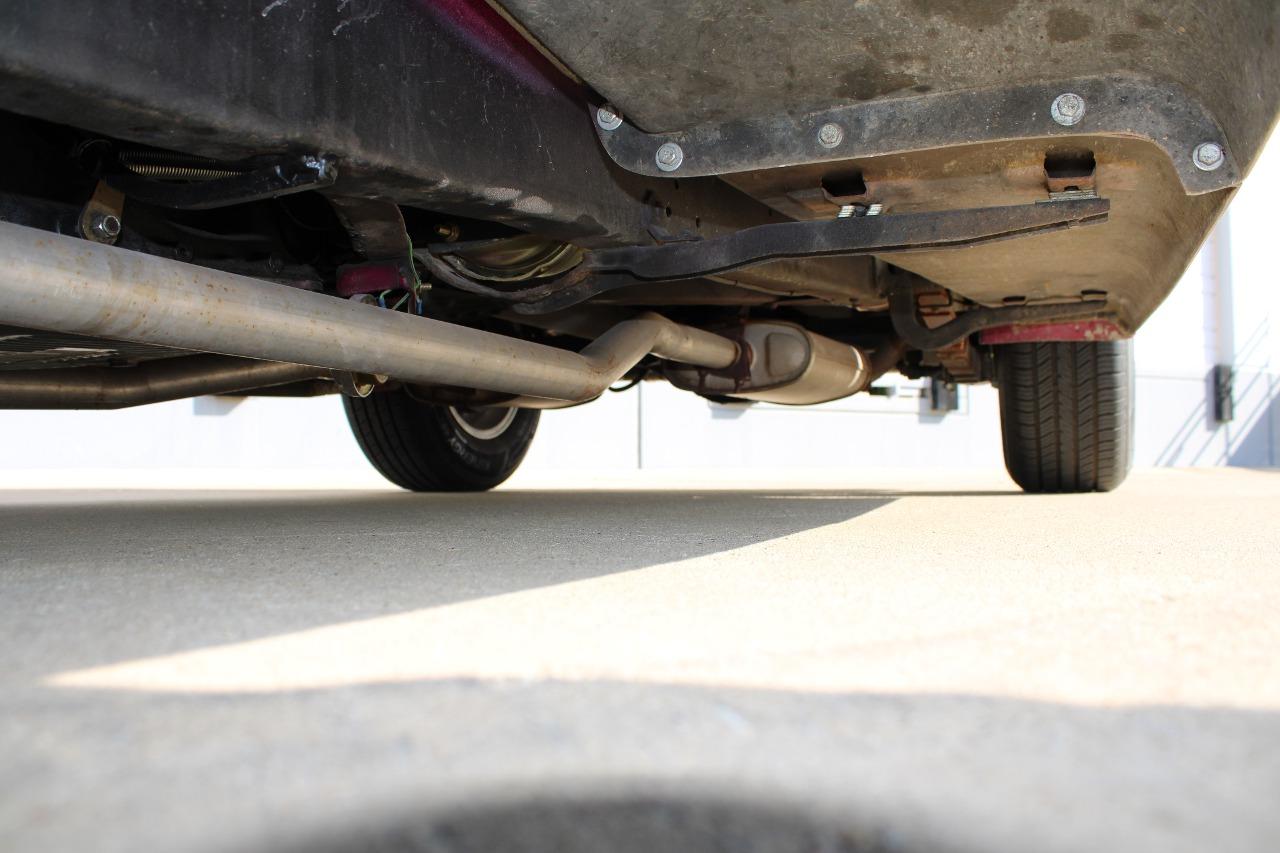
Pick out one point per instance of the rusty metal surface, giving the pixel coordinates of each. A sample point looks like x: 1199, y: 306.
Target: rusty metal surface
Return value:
x: 604, y: 270
x: 1159, y: 112
x: 432, y: 104
x: 943, y: 104
x: 671, y: 65
x: 1153, y: 230
x: 1085, y: 330
x: 905, y: 290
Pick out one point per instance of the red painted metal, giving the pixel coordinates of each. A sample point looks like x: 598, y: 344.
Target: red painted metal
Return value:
x: 372, y: 278
x: 492, y: 35
x: 1079, y: 330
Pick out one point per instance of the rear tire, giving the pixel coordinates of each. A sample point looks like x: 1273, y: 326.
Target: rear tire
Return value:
x: 425, y: 447
x: 1066, y: 414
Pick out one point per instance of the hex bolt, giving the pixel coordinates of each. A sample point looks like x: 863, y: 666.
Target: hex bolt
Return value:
x: 1067, y: 109
x: 669, y: 156
x: 608, y: 117
x: 105, y: 226
x: 830, y: 135
x: 1208, y: 156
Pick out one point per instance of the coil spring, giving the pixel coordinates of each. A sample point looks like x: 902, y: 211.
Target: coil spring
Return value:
x: 172, y: 166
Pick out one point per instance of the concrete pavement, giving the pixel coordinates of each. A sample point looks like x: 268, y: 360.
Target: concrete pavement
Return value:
x: 907, y: 664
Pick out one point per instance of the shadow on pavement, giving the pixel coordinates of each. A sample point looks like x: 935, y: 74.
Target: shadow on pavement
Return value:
x: 94, y: 582
x: 458, y: 765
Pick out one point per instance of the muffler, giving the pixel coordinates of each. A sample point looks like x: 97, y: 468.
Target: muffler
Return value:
x: 63, y: 284
x: 784, y: 363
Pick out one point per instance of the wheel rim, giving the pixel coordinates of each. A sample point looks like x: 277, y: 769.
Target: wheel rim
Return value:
x: 484, y: 424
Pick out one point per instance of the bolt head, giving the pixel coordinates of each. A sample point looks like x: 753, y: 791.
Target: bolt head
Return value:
x: 1208, y: 156
x: 1067, y: 109
x: 608, y: 117
x: 830, y: 135
x: 106, y: 226
x: 669, y: 156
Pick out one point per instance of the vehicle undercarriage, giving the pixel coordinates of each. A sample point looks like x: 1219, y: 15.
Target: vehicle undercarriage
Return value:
x: 458, y: 213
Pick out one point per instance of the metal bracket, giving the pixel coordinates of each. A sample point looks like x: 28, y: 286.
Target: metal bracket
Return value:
x: 100, y: 220
x: 357, y: 385
x: 943, y: 396
x: 376, y: 226
x: 906, y: 322
x: 1116, y: 106
x: 1224, y: 379
x: 377, y: 230
x: 608, y: 269
x: 880, y: 235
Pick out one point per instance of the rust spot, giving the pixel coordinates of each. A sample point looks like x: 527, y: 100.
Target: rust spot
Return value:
x: 869, y: 81
x: 1147, y: 21
x: 1067, y: 25
x: 1069, y: 170
x: 1124, y: 42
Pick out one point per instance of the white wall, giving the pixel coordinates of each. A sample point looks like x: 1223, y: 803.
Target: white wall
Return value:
x: 1226, y: 308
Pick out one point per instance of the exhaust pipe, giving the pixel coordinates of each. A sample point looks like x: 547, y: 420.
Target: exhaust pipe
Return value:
x: 150, y: 382
x: 63, y: 284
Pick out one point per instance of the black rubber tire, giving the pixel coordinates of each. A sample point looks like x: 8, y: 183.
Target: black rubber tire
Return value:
x: 1066, y: 414
x: 422, y: 447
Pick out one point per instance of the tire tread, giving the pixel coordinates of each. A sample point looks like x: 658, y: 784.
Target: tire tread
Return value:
x: 413, y: 444
x: 1066, y: 414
